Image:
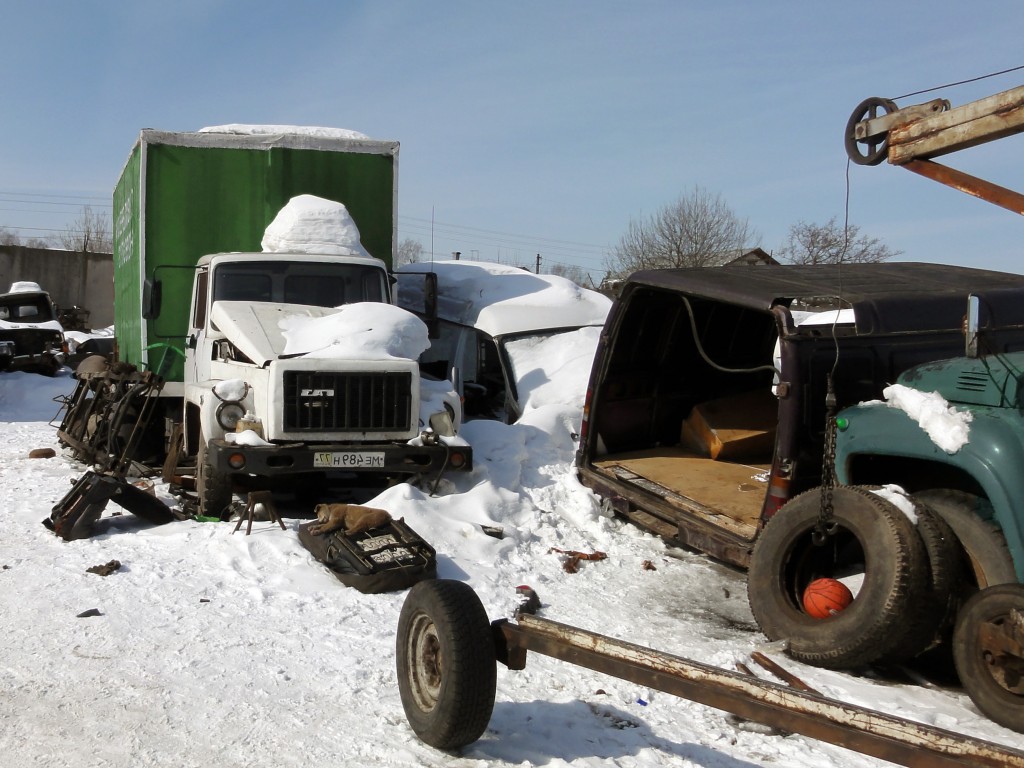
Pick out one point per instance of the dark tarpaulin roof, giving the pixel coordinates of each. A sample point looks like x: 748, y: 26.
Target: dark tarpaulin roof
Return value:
x: 887, y: 297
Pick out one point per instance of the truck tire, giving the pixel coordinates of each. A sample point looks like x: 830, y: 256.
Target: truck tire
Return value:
x: 989, y: 560
x: 212, y: 487
x: 991, y: 673
x: 931, y: 617
x: 873, y: 537
x: 446, y: 663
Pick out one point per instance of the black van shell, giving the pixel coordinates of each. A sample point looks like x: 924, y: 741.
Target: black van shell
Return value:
x: 649, y: 373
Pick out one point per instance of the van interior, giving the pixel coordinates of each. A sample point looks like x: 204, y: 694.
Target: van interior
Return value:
x: 688, y: 406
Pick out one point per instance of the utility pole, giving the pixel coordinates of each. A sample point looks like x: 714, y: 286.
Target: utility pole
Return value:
x: 537, y: 270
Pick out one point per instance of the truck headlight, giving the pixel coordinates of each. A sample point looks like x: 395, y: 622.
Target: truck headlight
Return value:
x: 231, y: 393
x: 228, y: 414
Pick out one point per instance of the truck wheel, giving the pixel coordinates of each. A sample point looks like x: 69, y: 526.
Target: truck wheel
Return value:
x: 983, y: 541
x: 212, y: 487
x: 446, y: 663
x: 932, y: 616
x: 986, y: 648
x: 874, y: 542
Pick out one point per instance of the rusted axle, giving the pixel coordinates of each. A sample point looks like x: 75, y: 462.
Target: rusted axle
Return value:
x: 891, y: 738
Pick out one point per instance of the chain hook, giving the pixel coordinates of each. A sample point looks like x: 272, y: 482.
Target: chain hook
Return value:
x: 826, y: 526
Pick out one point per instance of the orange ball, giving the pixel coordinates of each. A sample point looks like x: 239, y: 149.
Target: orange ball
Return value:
x: 826, y: 597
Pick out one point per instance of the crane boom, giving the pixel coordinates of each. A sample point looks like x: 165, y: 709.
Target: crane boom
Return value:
x: 912, y: 137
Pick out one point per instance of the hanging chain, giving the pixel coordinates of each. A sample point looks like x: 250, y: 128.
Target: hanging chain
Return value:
x: 826, y: 526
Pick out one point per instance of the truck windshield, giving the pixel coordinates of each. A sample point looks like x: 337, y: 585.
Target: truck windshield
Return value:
x: 28, y: 308
x: 314, y: 283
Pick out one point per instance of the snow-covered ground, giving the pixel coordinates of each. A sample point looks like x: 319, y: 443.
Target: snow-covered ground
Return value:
x: 213, y: 648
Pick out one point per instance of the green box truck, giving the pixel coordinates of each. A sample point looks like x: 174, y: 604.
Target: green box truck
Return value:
x: 181, y: 196
x: 198, y: 303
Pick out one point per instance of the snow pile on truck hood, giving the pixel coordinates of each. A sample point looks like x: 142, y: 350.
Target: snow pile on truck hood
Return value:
x: 264, y: 331
x: 361, y: 331
x: 241, y: 129
x: 310, y: 224
x: 500, y: 299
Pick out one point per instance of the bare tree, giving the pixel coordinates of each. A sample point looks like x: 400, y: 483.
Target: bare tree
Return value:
x: 829, y: 244
x: 409, y: 251
x: 7, y: 237
x: 698, y: 230
x: 90, y: 233
x: 572, y: 272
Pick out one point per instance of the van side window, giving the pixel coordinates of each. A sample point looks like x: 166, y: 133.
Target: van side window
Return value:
x: 202, y: 288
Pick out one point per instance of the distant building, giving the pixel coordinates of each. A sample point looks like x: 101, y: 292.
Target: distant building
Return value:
x: 755, y: 257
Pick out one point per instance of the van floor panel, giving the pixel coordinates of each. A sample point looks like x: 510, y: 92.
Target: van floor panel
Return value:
x: 726, y: 488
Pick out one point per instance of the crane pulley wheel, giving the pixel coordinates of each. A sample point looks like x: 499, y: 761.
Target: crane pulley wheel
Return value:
x: 873, y: 149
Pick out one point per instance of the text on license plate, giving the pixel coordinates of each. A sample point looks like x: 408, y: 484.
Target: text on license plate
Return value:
x: 349, y: 459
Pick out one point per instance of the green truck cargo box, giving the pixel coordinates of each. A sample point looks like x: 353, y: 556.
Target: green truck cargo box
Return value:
x: 181, y: 196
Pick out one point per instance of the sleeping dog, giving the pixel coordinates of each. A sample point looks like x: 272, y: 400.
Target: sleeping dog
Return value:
x: 348, y: 518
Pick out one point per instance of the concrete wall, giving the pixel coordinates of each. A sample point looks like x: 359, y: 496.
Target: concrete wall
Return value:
x: 72, y: 279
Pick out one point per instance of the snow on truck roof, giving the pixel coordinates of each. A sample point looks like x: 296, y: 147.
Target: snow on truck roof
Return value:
x: 499, y: 299
x: 241, y: 129
x: 264, y: 137
x: 311, y: 224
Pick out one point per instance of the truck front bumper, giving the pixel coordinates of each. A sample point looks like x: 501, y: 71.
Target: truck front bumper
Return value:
x: 284, y: 459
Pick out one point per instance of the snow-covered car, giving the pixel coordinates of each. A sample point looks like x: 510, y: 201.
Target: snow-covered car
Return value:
x: 29, y: 330
x: 492, y: 321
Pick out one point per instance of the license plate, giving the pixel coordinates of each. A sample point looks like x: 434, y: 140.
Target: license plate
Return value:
x: 349, y: 460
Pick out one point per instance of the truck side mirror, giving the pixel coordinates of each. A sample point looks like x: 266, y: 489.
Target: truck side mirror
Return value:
x: 430, y: 304
x: 972, y: 325
x: 152, y: 290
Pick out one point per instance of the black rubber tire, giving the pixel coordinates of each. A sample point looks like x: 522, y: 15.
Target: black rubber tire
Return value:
x: 931, y: 617
x: 873, y: 536
x: 988, y: 558
x: 996, y: 689
x: 212, y: 487
x: 446, y: 663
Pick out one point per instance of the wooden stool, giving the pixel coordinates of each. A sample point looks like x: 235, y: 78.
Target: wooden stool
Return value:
x: 267, y: 500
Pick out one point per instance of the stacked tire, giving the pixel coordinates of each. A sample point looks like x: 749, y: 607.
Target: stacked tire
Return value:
x: 908, y: 568
x: 920, y: 574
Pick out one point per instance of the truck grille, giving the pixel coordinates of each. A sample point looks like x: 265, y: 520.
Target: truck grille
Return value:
x: 316, y: 401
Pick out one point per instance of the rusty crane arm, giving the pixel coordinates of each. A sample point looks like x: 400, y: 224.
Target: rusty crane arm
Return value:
x: 912, y: 137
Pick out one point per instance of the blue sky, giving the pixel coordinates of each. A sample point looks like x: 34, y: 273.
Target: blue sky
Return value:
x: 527, y: 127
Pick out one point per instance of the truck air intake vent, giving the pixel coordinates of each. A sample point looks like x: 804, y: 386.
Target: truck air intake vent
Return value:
x: 316, y: 401
x: 972, y: 381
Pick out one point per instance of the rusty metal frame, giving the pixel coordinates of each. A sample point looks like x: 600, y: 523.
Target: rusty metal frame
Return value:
x: 972, y: 185
x: 900, y: 741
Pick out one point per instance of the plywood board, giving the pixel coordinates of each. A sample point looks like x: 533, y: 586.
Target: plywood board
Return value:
x: 734, y: 490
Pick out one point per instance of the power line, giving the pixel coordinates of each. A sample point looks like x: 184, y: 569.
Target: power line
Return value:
x: 470, y: 238
x: 523, y: 243
x: 23, y: 210
x: 531, y: 238
x: 34, y: 229
x: 961, y: 82
x: 50, y: 195
x: 48, y: 202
